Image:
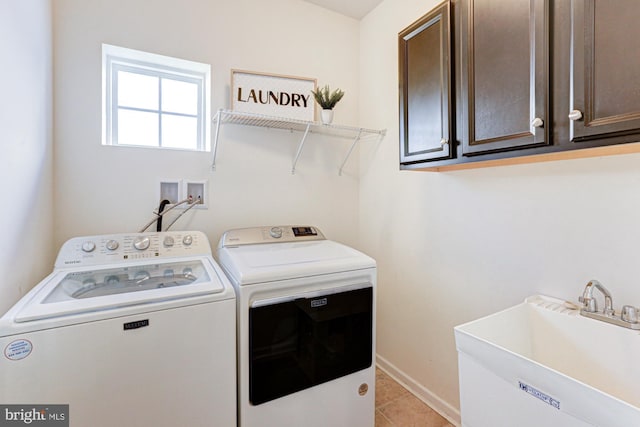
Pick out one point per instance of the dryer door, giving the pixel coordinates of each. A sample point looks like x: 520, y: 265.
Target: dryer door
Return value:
x: 298, y: 343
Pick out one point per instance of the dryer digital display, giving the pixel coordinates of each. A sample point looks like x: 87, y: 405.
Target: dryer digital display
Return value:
x: 304, y: 231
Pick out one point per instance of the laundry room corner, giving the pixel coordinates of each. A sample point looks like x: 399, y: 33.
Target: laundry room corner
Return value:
x: 483, y: 153
x: 456, y: 245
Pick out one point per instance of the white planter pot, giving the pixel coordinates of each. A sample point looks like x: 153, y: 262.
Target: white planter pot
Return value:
x: 327, y: 116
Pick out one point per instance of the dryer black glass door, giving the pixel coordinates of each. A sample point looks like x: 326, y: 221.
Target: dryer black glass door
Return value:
x: 297, y: 344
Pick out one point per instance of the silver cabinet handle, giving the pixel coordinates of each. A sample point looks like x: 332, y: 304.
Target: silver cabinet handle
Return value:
x: 537, y: 122
x: 575, y: 115
x: 444, y: 141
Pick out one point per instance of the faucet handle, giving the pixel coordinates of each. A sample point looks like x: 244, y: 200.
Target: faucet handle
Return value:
x: 629, y: 314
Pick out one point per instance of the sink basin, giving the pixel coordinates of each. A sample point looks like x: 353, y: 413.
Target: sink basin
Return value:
x: 540, y: 363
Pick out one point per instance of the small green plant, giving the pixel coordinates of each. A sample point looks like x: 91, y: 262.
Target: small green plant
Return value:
x: 326, y: 98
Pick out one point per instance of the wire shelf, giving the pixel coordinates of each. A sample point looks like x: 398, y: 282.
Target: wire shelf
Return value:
x: 293, y: 125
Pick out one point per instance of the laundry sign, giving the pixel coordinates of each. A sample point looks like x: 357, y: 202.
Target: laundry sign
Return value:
x: 273, y: 95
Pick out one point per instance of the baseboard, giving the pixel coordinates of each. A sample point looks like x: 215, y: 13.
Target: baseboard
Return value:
x: 436, y: 403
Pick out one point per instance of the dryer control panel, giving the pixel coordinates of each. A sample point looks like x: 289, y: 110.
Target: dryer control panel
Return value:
x: 117, y: 248
x: 270, y: 234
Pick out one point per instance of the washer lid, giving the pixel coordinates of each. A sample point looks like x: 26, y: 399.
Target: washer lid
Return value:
x: 68, y: 292
x: 261, y: 263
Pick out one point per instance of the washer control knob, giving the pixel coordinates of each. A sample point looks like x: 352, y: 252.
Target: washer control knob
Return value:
x: 112, y: 245
x: 276, y: 232
x: 187, y: 240
x: 141, y: 243
x: 88, y: 246
x: 168, y: 241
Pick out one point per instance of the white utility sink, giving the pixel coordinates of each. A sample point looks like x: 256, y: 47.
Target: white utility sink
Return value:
x: 541, y: 363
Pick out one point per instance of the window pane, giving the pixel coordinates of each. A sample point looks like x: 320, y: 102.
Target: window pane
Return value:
x: 179, y: 132
x: 137, y: 128
x: 179, y: 97
x: 154, y: 100
x: 137, y: 90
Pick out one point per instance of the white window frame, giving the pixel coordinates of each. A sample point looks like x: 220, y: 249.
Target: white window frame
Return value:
x: 115, y: 58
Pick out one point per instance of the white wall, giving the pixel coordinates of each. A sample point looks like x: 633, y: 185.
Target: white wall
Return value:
x: 102, y: 189
x: 454, y: 246
x: 25, y: 144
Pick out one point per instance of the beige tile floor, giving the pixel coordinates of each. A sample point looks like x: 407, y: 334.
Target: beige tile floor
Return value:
x: 397, y: 407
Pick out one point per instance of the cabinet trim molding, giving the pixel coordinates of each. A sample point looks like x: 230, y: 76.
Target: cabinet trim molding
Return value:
x: 584, y: 153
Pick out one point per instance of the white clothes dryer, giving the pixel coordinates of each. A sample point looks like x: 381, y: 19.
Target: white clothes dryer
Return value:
x: 306, y: 328
x: 128, y: 330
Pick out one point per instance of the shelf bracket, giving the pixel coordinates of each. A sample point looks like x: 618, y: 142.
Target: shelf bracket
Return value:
x: 304, y: 137
x: 214, y: 149
x: 353, y: 144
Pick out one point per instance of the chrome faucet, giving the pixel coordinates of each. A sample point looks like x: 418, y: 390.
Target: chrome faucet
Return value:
x: 590, y: 304
x: 629, y: 318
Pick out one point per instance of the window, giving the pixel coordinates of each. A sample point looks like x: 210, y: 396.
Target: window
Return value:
x: 154, y: 101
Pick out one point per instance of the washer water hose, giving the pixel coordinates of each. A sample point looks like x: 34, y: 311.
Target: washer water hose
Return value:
x: 160, y: 214
x: 163, y: 203
x: 192, y: 204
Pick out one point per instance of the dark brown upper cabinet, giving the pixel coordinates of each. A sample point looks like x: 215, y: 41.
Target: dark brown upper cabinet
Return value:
x: 425, y: 68
x: 504, y: 75
x: 543, y: 79
x: 605, y: 92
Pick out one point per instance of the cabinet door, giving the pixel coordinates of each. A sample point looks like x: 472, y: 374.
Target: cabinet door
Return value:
x: 425, y: 88
x: 605, y: 90
x: 504, y: 75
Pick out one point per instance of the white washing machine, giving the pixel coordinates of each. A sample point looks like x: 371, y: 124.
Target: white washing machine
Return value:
x: 306, y: 328
x: 128, y: 330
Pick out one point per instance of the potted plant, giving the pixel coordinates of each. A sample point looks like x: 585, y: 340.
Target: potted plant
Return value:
x: 327, y: 100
